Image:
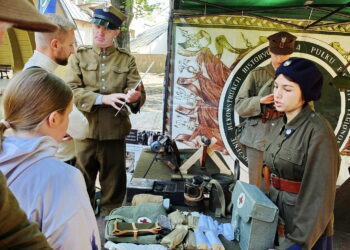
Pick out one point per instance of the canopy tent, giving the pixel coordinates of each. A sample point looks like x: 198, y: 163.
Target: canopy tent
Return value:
x: 321, y: 12
x: 214, y: 44
x: 323, y: 31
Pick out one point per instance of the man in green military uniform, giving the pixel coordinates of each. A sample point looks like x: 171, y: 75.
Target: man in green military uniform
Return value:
x: 103, y: 77
x: 255, y: 99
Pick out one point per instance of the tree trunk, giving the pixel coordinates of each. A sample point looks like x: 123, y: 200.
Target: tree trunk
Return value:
x: 125, y: 6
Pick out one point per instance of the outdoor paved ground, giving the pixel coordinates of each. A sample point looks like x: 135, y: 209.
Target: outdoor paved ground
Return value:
x: 151, y: 115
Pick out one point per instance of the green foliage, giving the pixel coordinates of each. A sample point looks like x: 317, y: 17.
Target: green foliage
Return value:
x: 132, y: 8
x: 142, y: 8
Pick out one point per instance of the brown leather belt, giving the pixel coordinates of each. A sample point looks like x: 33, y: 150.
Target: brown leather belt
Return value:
x: 285, y: 185
x: 279, y: 183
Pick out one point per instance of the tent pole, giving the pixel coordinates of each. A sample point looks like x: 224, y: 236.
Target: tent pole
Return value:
x: 169, y: 71
x: 328, y: 15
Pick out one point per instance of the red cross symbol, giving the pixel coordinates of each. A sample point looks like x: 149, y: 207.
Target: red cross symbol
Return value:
x: 144, y: 221
x: 240, y: 200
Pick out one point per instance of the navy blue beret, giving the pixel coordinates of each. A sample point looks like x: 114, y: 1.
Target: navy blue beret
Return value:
x: 306, y: 74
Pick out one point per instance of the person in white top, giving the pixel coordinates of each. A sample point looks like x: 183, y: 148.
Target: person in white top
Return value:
x: 53, y: 194
x: 53, y: 49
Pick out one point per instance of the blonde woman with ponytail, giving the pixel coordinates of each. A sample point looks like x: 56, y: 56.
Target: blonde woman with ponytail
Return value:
x: 36, y: 105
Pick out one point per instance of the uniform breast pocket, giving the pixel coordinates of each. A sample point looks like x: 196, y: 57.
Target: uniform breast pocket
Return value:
x: 287, y: 209
x: 291, y: 163
x: 119, y: 78
x: 89, y: 72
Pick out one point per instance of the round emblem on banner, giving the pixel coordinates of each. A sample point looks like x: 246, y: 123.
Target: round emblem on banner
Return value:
x: 240, y: 200
x: 144, y: 220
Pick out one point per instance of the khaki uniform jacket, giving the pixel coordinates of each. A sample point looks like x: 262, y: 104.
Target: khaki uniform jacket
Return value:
x: 258, y: 83
x: 304, y: 150
x: 93, y: 71
x: 16, y: 232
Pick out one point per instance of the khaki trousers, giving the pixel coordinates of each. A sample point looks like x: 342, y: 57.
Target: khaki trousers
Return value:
x: 255, y: 163
x: 108, y: 158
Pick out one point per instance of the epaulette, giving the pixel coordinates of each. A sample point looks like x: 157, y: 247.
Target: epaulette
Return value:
x: 83, y: 47
x: 123, y: 51
x: 258, y: 69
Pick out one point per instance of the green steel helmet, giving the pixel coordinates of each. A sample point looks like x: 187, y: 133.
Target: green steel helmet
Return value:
x: 108, y: 16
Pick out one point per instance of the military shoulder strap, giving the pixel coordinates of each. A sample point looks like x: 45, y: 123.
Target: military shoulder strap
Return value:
x: 33, y: 67
x: 220, y: 194
x: 83, y: 47
x: 125, y: 51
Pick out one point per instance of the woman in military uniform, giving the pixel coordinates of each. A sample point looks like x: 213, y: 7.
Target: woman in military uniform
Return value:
x: 303, y: 157
x: 254, y: 99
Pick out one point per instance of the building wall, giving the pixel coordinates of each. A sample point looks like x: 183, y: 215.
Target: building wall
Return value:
x: 158, y: 46
x: 85, y: 30
x: 144, y: 60
x: 19, y: 45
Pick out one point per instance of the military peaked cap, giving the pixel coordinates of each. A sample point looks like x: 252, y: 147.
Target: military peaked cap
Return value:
x: 282, y: 43
x: 108, y: 16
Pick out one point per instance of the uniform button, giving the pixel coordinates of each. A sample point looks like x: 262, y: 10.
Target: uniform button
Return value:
x: 83, y: 105
x: 103, y: 79
x: 103, y: 64
x: 103, y: 71
x: 104, y: 88
x: 104, y: 57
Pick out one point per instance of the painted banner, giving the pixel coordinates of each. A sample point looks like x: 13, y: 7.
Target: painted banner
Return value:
x: 47, y: 6
x: 211, y: 61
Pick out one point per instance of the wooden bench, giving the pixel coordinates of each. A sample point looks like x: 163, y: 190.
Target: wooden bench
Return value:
x: 4, y: 70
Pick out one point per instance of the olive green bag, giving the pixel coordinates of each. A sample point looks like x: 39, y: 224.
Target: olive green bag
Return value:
x: 134, y: 224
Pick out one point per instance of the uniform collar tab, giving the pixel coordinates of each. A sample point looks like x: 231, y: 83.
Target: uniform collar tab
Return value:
x: 300, y: 118
x: 106, y: 51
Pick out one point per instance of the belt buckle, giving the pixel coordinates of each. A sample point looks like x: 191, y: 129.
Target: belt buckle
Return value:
x: 273, y: 175
x: 275, y: 182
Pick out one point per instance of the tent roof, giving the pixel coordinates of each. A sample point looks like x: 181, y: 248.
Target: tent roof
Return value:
x: 320, y: 12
